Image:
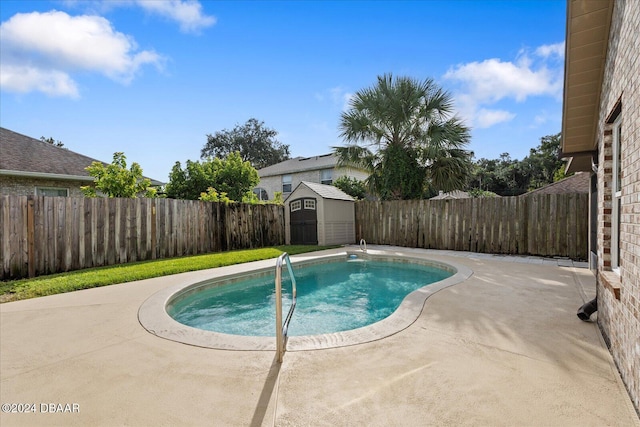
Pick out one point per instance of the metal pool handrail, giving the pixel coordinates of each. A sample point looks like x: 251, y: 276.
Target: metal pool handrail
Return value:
x: 363, y: 245
x: 281, y: 330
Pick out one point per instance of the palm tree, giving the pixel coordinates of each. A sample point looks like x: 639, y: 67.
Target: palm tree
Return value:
x: 402, y: 132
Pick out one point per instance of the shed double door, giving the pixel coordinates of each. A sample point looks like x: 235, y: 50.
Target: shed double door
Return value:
x: 304, y: 222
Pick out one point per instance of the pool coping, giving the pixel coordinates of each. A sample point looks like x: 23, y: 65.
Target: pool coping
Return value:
x: 153, y: 315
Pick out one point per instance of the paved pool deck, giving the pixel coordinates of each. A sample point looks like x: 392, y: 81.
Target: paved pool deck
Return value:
x: 502, y: 348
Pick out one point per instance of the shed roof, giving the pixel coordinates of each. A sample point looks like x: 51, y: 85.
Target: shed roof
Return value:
x: 300, y: 164
x: 326, y: 191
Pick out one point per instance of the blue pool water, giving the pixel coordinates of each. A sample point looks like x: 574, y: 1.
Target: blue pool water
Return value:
x: 332, y: 297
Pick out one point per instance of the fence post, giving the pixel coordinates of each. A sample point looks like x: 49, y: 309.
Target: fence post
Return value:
x: 31, y: 257
x: 154, y: 240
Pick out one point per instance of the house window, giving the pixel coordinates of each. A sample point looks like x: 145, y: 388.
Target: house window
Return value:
x: 326, y: 176
x: 616, y: 196
x: 310, y: 204
x: 261, y: 193
x: 296, y: 206
x: 52, y: 192
x: 286, y: 183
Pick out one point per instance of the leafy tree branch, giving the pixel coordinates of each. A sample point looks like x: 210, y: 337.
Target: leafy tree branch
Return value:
x: 115, y: 180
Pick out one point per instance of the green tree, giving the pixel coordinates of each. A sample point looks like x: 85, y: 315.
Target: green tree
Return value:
x: 213, y: 196
x: 255, y: 142
x: 232, y: 176
x: 188, y: 183
x: 504, y: 176
x: 115, y: 180
x: 235, y: 177
x: 543, y: 162
x: 477, y: 193
x: 512, y: 176
x: 353, y: 187
x: 509, y: 177
x: 402, y: 132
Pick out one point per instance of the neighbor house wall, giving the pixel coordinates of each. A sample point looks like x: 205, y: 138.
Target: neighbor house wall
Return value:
x: 619, y: 294
x: 270, y: 184
x: 21, y: 186
x: 274, y: 183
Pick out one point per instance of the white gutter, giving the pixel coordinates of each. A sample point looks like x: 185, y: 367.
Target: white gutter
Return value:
x: 26, y: 174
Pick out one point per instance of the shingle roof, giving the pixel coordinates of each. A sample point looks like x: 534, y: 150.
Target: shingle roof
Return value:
x: 25, y: 154
x: 455, y: 194
x: 20, y: 154
x: 578, y: 183
x: 299, y: 164
x: 327, y: 191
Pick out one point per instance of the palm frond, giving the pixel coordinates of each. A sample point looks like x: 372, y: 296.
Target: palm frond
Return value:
x: 406, y: 114
x: 355, y: 156
x: 449, y: 173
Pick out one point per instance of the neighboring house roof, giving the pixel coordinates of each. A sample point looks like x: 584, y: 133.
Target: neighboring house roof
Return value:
x: 587, y: 38
x: 326, y: 191
x: 21, y: 155
x: 300, y: 164
x: 30, y: 157
x: 456, y: 194
x: 578, y: 183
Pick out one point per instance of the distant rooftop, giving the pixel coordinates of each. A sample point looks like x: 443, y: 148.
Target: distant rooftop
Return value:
x: 455, y: 194
x: 22, y: 155
x: 578, y: 183
x: 300, y: 164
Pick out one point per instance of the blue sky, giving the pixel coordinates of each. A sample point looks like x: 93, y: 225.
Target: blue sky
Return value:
x: 153, y: 78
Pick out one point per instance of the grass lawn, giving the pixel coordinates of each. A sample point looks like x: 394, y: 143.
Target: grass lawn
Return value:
x: 111, y: 275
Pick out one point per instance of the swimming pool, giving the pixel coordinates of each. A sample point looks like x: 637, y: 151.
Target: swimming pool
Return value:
x: 154, y: 317
x: 343, y: 294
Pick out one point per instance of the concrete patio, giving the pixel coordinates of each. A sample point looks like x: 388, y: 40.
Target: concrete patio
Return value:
x: 503, y: 348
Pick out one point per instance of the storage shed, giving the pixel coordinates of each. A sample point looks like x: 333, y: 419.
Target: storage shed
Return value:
x: 318, y: 214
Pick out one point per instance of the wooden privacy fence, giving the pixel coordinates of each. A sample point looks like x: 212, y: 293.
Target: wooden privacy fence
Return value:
x: 543, y: 225
x: 43, y: 235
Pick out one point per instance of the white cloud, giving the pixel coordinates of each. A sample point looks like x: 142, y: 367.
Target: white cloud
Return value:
x: 341, y: 97
x: 485, y: 118
x: 24, y: 79
x: 187, y: 13
x: 492, y: 80
x: 484, y: 83
x: 548, y: 50
x: 540, y: 119
x: 544, y: 116
x: 338, y: 96
x: 48, y: 47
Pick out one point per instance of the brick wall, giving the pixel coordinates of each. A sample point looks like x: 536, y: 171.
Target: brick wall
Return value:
x: 619, y: 295
x: 20, y: 186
